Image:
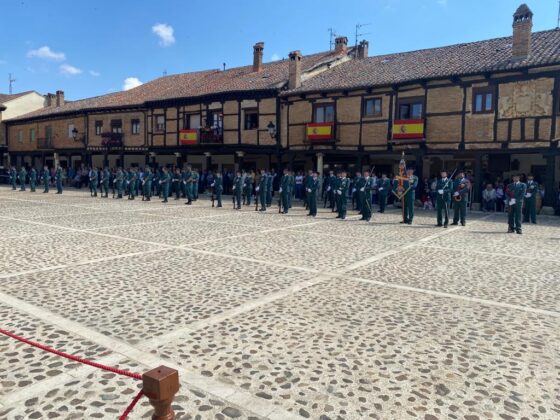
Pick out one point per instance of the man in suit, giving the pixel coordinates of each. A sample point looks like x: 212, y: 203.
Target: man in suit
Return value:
x: 515, y: 193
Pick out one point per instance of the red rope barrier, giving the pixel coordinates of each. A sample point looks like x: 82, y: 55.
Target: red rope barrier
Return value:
x: 69, y: 356
x: 131, y: 405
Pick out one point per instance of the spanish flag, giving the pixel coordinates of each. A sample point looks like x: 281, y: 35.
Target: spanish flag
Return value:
x: 319, y: 131
x: 408, y: 129
x: 188, y: 137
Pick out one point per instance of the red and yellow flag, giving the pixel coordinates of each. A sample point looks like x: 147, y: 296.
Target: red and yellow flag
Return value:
x: 319, y: 131
x: 188, y: 137
x: 408, y: 129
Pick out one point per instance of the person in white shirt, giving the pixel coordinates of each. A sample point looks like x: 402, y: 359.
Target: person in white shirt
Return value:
x: 489, y: 198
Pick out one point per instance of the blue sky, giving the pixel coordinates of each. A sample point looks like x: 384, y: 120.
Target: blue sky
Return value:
x: 89, y: 48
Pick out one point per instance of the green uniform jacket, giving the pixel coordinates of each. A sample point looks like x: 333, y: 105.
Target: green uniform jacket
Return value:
x: 462, y: 186
x: 446, y: 187
x: 533, y: 189
x: 517, y: 190
x: 383, y: 186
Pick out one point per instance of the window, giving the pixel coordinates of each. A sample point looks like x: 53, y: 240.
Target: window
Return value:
x: 323, y: 113
x: 192, y: 121
x: 48, y: 132
x: 31, y: 135
x: 71, y: 128
x: 411, y: 109
x: 135, y: 122
x: 372, y: 107
x: 98, y: 128
x: 214, y: 120
x: 20, y: 136
x: 160, y: 123
x: 483, y: 100
x: 116, y: 126
x: 251, y: 119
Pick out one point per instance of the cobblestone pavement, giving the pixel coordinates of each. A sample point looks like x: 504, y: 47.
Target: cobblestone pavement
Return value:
x: 270, y: 316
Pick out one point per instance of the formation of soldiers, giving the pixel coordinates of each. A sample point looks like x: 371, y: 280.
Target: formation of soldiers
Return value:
x: 452, y: 191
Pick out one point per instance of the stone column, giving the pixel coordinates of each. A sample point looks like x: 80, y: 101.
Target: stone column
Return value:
x: 178, y: 160
x: 239, y: 164
x: 208, y: 160
x: 56, y: 159
x: 320, y: 164
x: 477, y: 181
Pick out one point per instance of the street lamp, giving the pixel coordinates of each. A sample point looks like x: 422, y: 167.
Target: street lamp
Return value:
x: 271, y: 129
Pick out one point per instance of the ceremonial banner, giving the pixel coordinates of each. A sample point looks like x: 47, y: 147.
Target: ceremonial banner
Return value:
x: 319, y: 131
x: 188, y: 137
x: 408, y: 129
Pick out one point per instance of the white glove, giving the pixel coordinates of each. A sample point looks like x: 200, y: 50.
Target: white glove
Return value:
x: 440, y: 192
x: 328, y: 188
x: 280, y: 190
x: 213, y: 183
x: 455, y: 193
x: 128, y: 182
x: 353, y: 190
x: 362, y: 189
x: 233, y: 187
x: 528, y: 195
x: 339, y: 192
x: 380, y: 188
x: 257, y: 189
x: 309, y: 190
x: 512, y: 201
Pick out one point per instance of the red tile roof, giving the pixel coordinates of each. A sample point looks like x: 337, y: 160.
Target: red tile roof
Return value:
x: 195, y: 84
x: 455, y: 60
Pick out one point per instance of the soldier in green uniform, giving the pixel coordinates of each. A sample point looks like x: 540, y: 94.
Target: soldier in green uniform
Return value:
x: 177, y: 183
x: 292, y: 188
x: 147, y: 184
x: 461, y: 188
x: 261, y: 190
x: 365, y: 191
x: 22, y: 176
x: 248, y: 187
x: 131, y: 182
x: 105, y: 181
x: 13, y: 178
x: 307, y: 184
x: 32, y: 179
x: 237, y: 188
x: 187, y: 182
x: 356, y: 185
x: 93, y: 178
x: 342, y: 195
x: 444, y: 188
x: 312, y: 190
x: 269, y: 185
x: 383, y: 188
x: 165, y: 182
x: 530, y: 206
x: 218, y: 186
x: 516, y: 193
x: 284, y: 191
x: 195, y: 184
x: 409, y: 184
x: 58, y: 177
x: 119, y: 181
x: 329, y: 190
x: 46, y: 179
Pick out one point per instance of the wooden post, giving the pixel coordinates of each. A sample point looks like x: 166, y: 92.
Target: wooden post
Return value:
x: 160, y: 385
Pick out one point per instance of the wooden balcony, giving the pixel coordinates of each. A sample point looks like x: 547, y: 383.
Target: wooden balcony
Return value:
x: 112, y: 140
x: 211, y: 136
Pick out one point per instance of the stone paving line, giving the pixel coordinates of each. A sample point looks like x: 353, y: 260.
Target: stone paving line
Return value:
x: 220, y: 390
x: 496, y: 254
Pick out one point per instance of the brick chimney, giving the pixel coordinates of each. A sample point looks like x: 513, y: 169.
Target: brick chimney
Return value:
x: 363, y: 49
x: 258, y: 56
x: 340, y: 44
x: 294, y: 79
x: 50, y: 99
x: 59, y: 98
x: 522, y: 26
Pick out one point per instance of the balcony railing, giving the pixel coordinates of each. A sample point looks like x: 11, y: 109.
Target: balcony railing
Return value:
x: 111, y: 139
x: 211, y: 135
x: 320, y: 132
x: 44, y: 143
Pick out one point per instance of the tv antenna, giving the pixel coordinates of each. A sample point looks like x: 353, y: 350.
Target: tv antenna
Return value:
x: 332, y: 36
x: 11, y: 81
x: 359, y: 26
x: 558, y: 21
x: 165, y: 72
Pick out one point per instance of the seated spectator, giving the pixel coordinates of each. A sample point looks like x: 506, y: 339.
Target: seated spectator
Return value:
x: 500, y: 197
x: 489, y: 198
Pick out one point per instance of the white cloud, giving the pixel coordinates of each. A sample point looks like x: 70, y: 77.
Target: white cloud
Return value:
x: 69, y: 70
x: 442, y: 2
x: 94, y: 73
x: 46, y: 53
x: 275, y: 57
x: 131, y: 82
x: 165, y: 33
